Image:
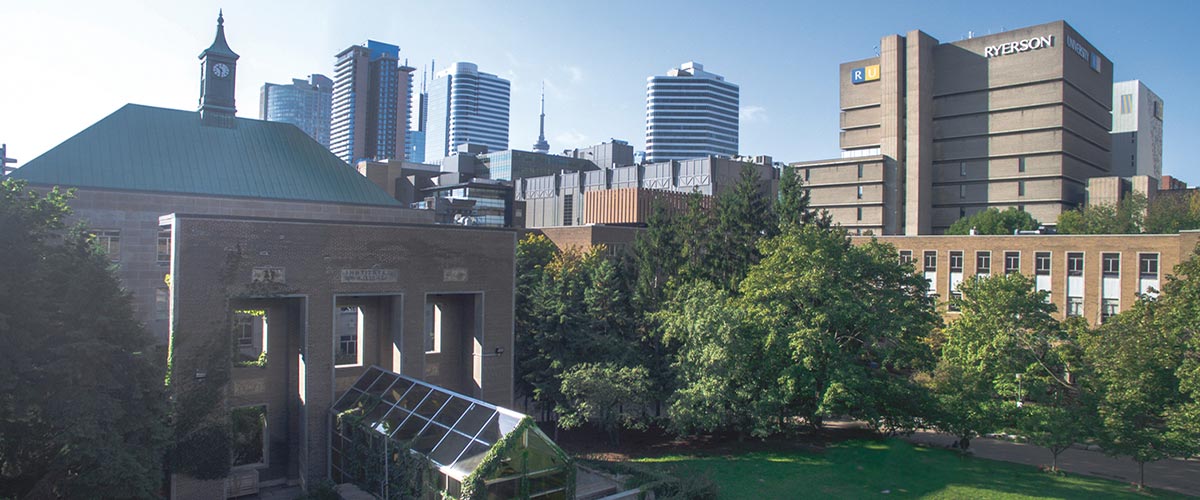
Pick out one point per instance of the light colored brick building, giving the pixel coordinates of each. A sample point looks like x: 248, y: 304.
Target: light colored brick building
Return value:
x: 1093, y: 276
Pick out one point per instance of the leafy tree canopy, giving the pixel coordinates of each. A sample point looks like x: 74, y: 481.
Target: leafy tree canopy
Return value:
x: 82, y: 403
x: 993, y: 221
x: 1127, y: 217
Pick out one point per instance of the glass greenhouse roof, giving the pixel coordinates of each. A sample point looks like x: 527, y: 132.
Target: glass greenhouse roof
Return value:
x: 454, y: 431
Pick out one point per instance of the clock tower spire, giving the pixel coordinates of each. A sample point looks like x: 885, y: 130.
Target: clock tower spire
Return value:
x: 218, y: 67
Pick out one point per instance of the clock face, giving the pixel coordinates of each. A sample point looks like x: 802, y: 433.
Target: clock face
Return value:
x: 220, y: 70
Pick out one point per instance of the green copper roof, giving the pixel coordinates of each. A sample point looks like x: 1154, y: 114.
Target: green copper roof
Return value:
x: 142, y: 148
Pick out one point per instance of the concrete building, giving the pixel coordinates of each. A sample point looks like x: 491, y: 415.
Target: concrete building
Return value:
x: 1137, y: 130
x: 932, y: 132
x: 690, y: 113
x: 246, y: 240
x: 1092, y: 276
x: 613, y: 153
x: 559, y: 199
x: 305, y: 103
x: 370, y: 103
x: 466, y: 106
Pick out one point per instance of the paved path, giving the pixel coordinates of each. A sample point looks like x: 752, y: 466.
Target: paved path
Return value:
x: 1180, y: 476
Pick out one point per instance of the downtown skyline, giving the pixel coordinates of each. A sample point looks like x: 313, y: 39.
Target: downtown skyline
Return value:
x: 784, y: 57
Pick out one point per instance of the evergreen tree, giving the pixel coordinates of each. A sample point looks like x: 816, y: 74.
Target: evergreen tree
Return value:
x: 793, y: 206
x: 743, y: 217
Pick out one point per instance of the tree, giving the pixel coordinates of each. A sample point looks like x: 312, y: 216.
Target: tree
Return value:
x: 841, y: 325
x: 1173, y: 212
x: 1126, y: 217
x: 1179, y: 316
x: 1135, y: 364
x: 534, y: 253
x: 993, y: 221
x: 793, y: 206
x: 607, y: 395
x: 1010, y: 360
x: 82, y: 404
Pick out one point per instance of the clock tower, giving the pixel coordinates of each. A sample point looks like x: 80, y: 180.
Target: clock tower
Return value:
x: 218, y: 67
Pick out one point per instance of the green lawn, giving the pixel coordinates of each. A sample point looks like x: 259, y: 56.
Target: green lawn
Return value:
x: 860, y: 469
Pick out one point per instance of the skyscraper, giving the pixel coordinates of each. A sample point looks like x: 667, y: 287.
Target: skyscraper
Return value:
x: 466, y: 106
x: 690, y: 113
x: 370, y: 103
x: 414, y: 141
x: 305, y: 104
x: 1137, y: 130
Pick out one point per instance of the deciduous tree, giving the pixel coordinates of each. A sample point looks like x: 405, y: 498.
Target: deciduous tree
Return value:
x: 82, y: 405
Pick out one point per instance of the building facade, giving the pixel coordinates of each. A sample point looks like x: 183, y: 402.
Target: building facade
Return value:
x: 274, y: 275
x: 466, y: 106
x: 1137, y: 130
x: 691, y: 113
x: 609, y: 154
x: 370, y: 117
x: 560, y: 199
x: 1090, y: 276
x: 932, y: 132
x: 305, y: 104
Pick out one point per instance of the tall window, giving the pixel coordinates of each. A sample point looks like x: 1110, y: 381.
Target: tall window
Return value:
x: 1111, y: 264
x: 1148, y: 265
x: 1074, y: 306
x: 962, y: 169
x: 162, y: 304
x: 956, y: 262
x: 1021, y: 164
x: 859, y: 213
x: 931, y: 261
x: 860, y: 170
x: 1075, y: 264
x: 860, y: 192
x: 109, y: 240
x: 1042, y: 263
x: 1108, y: 309
x: 1020, y: 188
x: 164, y: 245
x: 962, y: 191
x: 983, y: 262
x: 1012, y: 262
x: 568, y: 210
x: 807, y: 174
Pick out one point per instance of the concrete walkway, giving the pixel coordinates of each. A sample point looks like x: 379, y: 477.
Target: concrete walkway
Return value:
x: 1180, y: 476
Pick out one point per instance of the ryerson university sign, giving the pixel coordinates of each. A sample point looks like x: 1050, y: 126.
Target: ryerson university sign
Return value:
x: 1026, y: 45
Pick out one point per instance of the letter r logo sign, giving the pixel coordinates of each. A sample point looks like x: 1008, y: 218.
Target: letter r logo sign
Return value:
x: 858, y: 75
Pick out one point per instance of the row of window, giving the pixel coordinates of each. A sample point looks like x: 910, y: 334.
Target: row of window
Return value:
x: 1110, y: 262
x: 109, y: 240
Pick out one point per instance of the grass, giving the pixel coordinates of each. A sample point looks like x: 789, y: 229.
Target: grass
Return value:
x: 858, y: 469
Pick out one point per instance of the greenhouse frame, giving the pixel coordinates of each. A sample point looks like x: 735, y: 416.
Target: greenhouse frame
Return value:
x: 399, y: 437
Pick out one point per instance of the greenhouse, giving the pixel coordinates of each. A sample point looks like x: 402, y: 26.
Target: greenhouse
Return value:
x: 398, y: 437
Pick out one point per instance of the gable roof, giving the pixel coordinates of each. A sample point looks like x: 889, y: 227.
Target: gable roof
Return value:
x: 144, y: 148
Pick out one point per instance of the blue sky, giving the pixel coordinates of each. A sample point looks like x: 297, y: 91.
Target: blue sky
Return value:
x: 65, y: 65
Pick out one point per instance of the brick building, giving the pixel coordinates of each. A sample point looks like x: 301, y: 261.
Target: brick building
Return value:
x: 273, y: 274
x: 1093, y: 276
